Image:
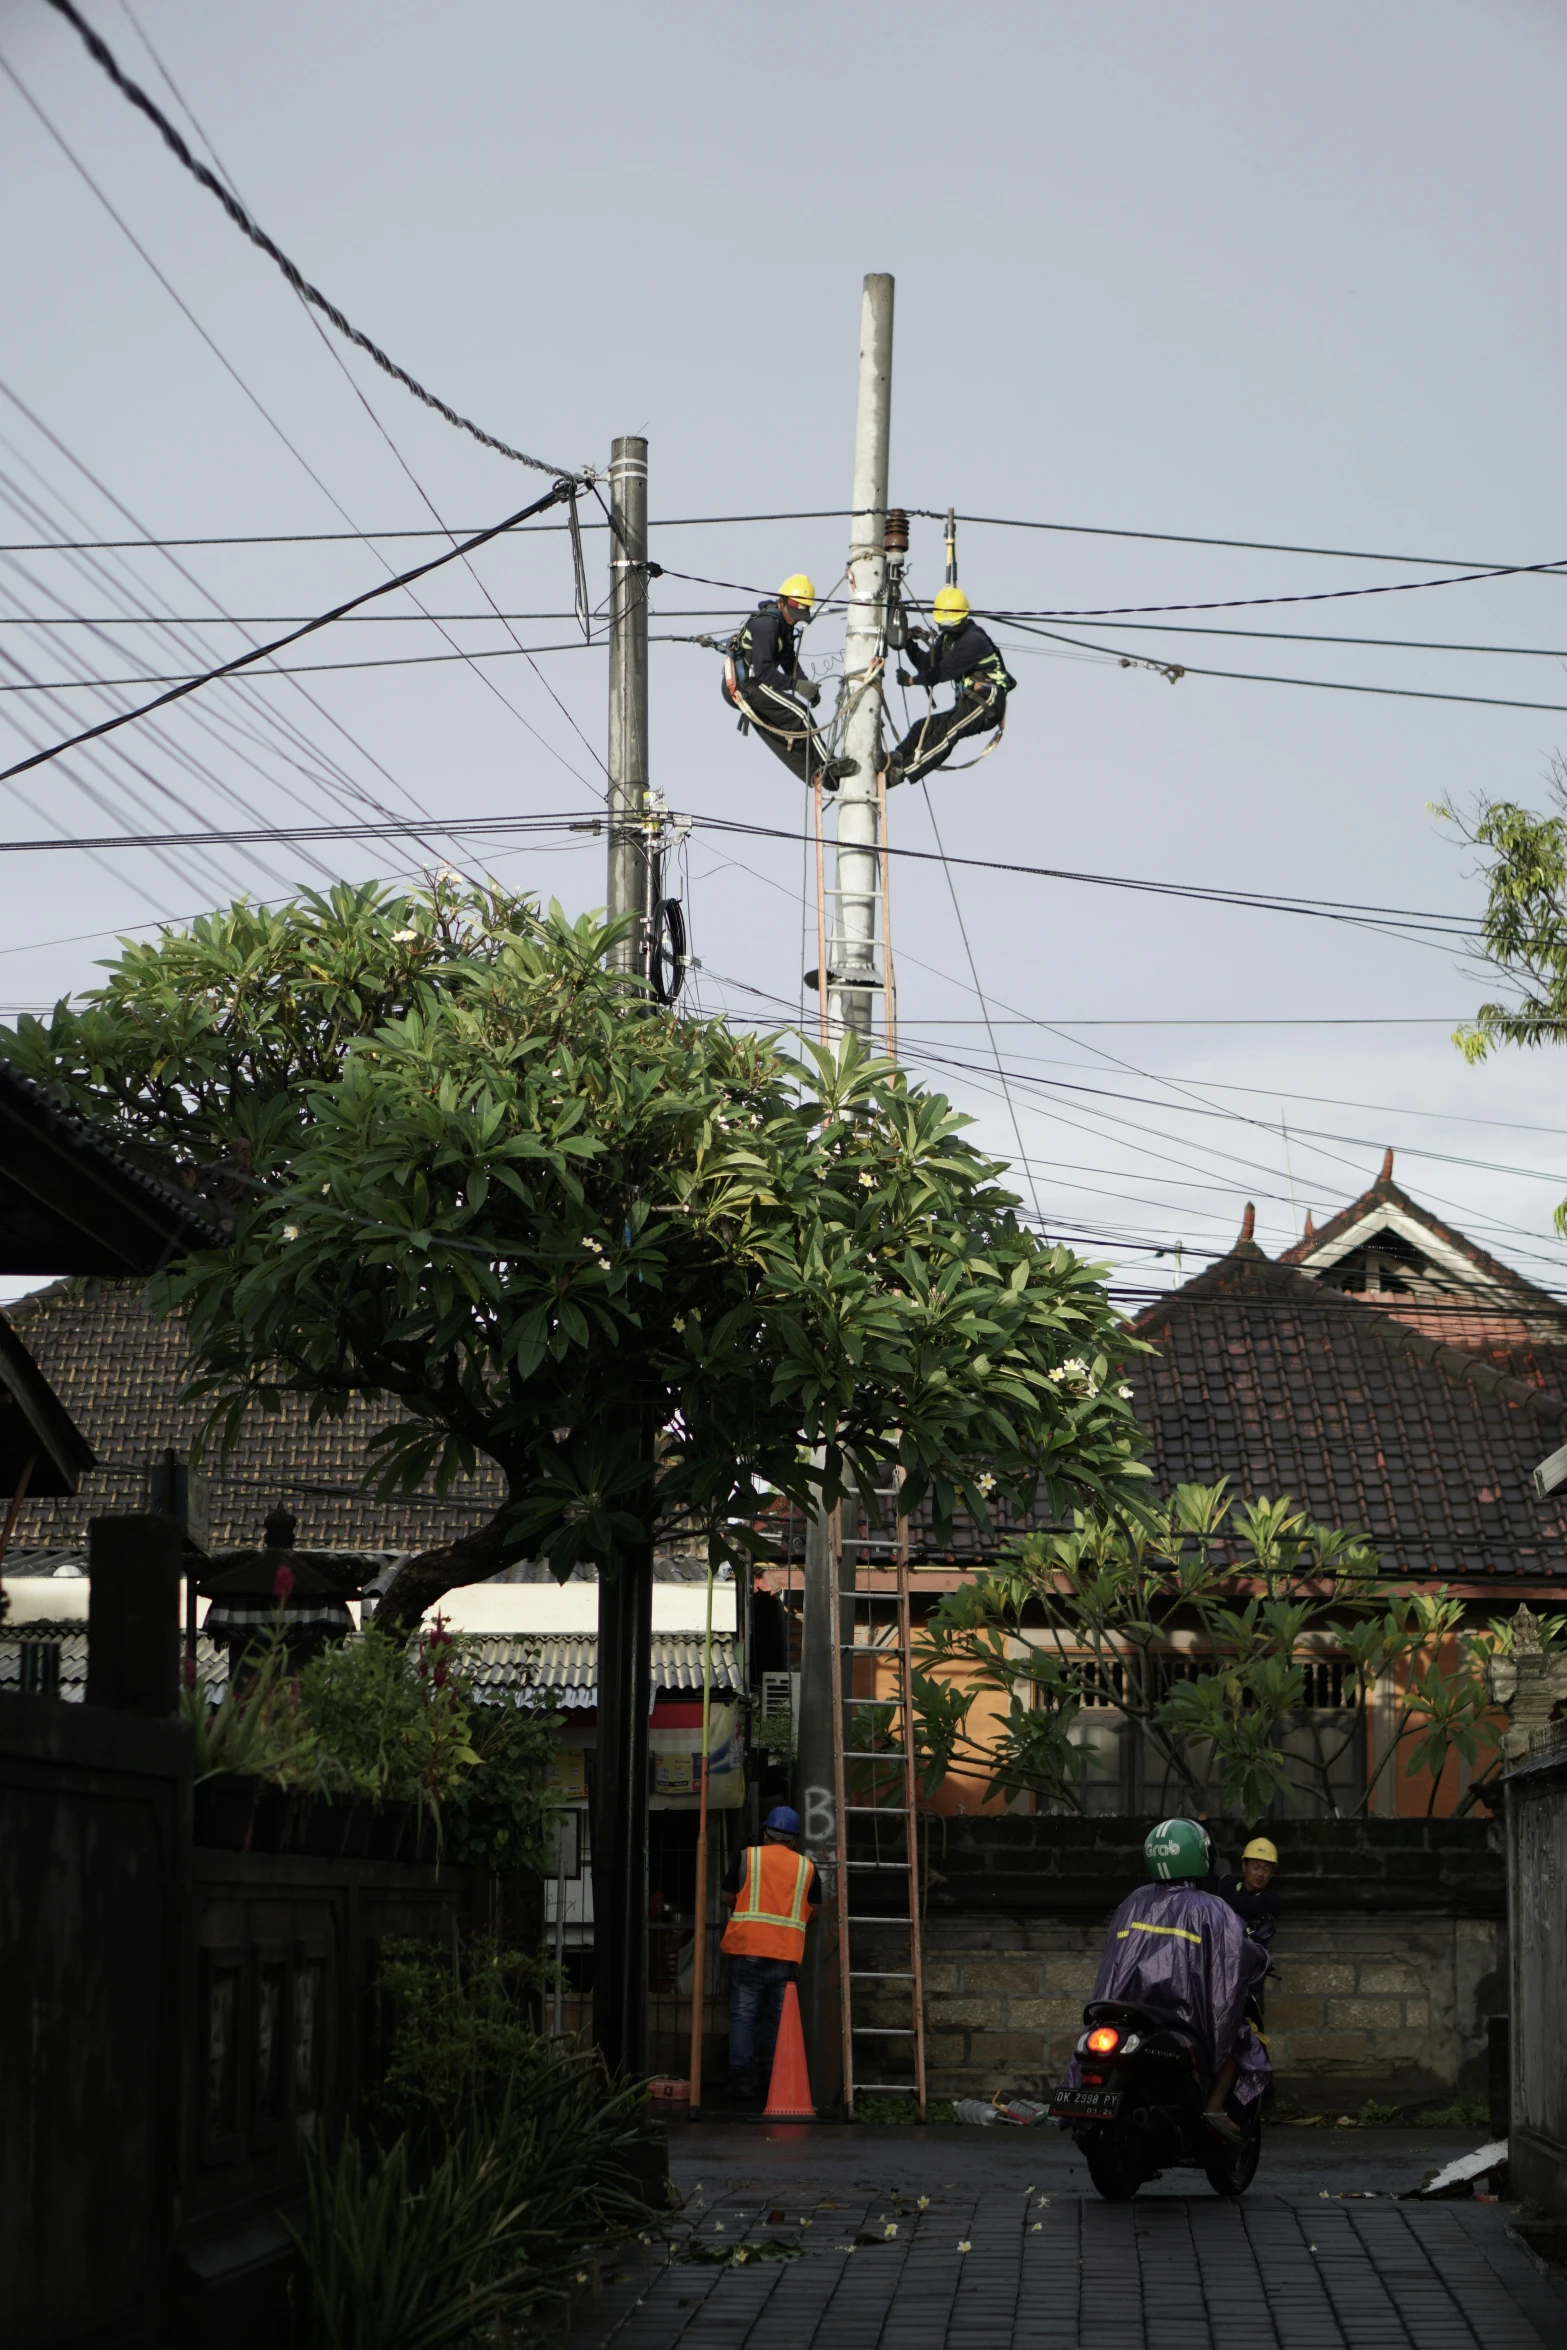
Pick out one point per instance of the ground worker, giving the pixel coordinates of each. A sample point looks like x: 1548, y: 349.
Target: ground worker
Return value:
x: 771, y: 1888
x: 1249, y: 1895
x: 1258, y: 1910
x: 961, y: 656
x: 763, y: 680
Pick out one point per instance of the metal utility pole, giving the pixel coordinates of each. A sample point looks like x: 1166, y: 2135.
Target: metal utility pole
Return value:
x: 856, y: 877
x: 625, y: 1611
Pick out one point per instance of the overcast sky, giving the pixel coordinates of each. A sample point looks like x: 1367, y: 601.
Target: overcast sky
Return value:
x: 1288, y: 274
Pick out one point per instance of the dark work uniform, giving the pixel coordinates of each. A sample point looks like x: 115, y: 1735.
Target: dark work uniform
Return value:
x: 1259, y: 1914
x: 765, y: 668
x: 968, y: 659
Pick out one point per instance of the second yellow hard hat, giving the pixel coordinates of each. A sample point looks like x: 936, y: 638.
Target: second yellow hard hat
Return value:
x: 797, y: 589
x: 950, y: 607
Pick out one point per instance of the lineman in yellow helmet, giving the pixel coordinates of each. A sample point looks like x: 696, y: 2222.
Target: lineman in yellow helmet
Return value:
x: 764, y: 682
x: 965, y: 658
x: 1254, y: 1902
x: 1248, y: 1893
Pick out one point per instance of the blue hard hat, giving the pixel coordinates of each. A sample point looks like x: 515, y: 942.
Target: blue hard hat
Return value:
x: 783, y: 1820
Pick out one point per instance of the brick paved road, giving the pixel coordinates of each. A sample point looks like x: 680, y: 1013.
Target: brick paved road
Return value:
x: 1049, y: 2267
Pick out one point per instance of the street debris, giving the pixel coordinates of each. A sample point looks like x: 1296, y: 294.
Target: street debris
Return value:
x: 1461, y: 2177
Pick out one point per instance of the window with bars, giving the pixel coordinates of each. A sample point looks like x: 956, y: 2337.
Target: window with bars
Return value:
x: 1329, y: 1681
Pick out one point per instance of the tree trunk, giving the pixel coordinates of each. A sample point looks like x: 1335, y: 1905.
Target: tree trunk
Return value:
x: 424, y: 1578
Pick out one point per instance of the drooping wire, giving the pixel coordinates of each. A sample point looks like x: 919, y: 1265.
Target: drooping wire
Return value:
x: 264, y: 652
x: 1325, y: 685
x: 265, y: 413
x: 270, y: 720
x: 275, y: 736
x: 102, y: 55
x: 952, y: 891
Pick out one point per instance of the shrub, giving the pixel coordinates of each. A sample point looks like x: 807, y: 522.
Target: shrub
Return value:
x: 516, y: 2158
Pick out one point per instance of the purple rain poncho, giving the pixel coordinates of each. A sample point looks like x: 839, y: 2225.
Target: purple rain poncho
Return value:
x: 1186, y: 1952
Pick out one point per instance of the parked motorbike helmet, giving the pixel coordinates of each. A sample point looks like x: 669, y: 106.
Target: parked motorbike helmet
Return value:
x: 1178, y: 1848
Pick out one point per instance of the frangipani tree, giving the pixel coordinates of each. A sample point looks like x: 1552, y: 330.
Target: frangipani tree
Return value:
x: 1197, y: 1624
x: 484, y: 1185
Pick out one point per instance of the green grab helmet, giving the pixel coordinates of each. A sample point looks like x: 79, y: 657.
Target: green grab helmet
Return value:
x: 1178, y: 1848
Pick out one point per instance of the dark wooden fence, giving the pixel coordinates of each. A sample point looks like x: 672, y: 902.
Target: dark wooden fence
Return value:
x: 176, y: 2020
x: 1537, y: 1875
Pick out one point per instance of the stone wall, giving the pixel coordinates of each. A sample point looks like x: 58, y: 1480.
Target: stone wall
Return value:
x: 1390, y: 1956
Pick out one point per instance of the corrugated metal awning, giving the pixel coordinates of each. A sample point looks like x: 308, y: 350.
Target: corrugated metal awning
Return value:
x: 562, y: 1667
x: 558, y: 1669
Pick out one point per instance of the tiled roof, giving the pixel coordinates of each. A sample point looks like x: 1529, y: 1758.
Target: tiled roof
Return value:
x: 1440, y: 1282
x: 1285, y: 1386
x: 118, y: 1372
x: 1320, y: 1244
x: 73, y: 1200
x: 38, y: 1437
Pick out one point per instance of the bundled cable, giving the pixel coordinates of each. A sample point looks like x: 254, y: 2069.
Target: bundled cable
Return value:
x: 103, y: 55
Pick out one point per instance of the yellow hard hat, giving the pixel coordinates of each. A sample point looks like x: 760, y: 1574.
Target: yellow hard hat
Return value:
x: 950, y: 607
x: 797, y: 589
x: 1260, y: 1849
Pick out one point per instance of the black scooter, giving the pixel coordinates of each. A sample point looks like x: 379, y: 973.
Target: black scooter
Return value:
x: 1140, y: 2108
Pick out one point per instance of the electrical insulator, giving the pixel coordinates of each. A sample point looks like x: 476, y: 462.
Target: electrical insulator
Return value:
x: 895, y: 541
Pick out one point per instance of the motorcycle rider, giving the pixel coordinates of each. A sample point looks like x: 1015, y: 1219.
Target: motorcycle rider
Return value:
x: 1176, y: 1946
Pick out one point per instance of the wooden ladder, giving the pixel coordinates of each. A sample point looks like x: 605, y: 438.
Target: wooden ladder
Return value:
x: 875, y: 1786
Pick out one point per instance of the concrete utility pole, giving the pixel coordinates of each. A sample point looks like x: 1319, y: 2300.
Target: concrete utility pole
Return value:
x: 628, y: 767
x: 856, y: 862
x: 625, y: 1642
x: 816, y: 1801
x: 852, y: 959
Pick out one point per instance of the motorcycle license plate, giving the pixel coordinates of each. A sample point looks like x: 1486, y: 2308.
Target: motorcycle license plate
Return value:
x: 1085, y: 2105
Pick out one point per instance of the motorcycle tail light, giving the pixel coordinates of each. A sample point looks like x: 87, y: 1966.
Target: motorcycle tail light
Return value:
x: 1104, y: 2040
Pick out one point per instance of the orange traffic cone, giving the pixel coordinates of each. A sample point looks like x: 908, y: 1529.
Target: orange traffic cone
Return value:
x: 789, y: 2088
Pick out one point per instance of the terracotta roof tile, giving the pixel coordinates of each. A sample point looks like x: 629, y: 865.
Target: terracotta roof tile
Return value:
x: 1284, y: 1386
x: 118, y: 1371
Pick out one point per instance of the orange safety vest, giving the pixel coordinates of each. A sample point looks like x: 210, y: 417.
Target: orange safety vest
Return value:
x: 772, y: 1912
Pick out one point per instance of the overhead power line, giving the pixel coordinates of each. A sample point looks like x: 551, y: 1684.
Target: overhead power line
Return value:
x: 103, y: 55
x: 465, y: 654
x: 1328, y: 685
x: 1262, y: 636
x: 1395, y: 587
x: 395, y: 829
x: 579, y: 644
x: 1336, y: 909
x: 1093, y: 530
x: 552, y: 497
x: 1386, y: 587
x: 1327, y: 909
